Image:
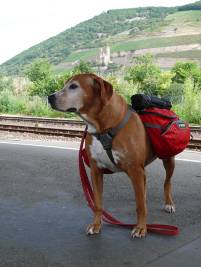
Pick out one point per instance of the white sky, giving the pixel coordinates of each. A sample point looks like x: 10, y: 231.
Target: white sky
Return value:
x: 24, y: 23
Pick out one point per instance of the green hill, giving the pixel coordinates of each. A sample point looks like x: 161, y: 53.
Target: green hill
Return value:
x: 88, y: 34
x: 193, y: 6
x: 123, y: 30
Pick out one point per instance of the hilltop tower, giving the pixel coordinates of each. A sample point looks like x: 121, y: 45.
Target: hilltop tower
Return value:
x: 104, y: 56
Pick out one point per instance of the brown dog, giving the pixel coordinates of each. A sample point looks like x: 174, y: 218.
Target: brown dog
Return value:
x: 94, y: 100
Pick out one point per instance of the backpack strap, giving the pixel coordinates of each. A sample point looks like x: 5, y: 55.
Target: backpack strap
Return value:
x: 151, y: 125
x: 157, y: 114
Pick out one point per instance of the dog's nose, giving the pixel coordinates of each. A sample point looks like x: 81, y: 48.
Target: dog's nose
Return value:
x: 51, y: 100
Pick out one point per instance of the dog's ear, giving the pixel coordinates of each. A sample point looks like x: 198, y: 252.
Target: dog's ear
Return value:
x: 108, y: 89
x: 103, y: 88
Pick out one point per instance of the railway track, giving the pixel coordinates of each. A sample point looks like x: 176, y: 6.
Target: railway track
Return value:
x: 42, y: 130
x: 195, y: 144
x: 43, y: 126
x: 62, y: 127
x: 195, y: 129
x: 39, y: 120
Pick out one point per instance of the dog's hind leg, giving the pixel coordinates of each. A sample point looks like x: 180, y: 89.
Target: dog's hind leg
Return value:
x: 169, y: 165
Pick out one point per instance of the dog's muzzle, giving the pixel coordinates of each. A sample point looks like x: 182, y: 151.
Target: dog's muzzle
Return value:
x: 52, y: 102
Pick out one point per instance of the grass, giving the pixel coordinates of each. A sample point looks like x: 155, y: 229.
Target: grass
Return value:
x: 81, y: 55
x: 190, y: 54
x: 189, y: 18
x: 138, y: 44
x: 74, y: 56
x: 26, y: 105
x: 178, y: 19
x: 146, y: 43
x: 156, y: 42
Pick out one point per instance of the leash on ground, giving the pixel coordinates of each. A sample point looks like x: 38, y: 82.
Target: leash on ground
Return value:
x: 108, y: 218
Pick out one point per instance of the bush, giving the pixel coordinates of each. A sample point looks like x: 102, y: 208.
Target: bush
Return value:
x: 39, y: 70
x: 148, y: 77
x: 189, y: 109
x: 10, y: 104
x: 182, y: 85
x: 27, y: 105
x: 6, y: 83
x: 122, y: 87
x: 82, y: 67
x: 45, y: 82
x: 175, y: 93
x: 45, y: 87
x: 185, y: 70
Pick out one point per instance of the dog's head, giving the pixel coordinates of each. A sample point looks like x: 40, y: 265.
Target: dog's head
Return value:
x: 83, y: 93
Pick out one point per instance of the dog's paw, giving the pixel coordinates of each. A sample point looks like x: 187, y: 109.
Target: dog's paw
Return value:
x: 139, y: 232
x: 93, y: 229
x: 170, y: 208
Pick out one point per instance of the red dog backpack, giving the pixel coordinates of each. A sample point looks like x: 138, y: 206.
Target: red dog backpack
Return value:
x: 168, y: 134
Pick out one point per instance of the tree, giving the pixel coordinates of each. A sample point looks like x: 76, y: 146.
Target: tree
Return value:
x: 39, y: 70
x: 145, y: 74
x: 83, y: 67
x: 148, y: 77
x: 186, y: 70
x: 44, y: 81
x: 164, y: 83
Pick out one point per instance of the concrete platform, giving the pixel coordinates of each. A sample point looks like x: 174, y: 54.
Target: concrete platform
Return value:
x: 44, y: 214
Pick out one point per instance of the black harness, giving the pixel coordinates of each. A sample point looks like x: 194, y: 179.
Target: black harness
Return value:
x: 107, y: 137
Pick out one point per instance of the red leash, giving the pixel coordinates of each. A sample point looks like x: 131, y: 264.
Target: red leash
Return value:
x: 154, y: 228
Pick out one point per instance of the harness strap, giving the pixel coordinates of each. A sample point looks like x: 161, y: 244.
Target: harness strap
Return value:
x: 107, y: 137
x: 110, y: 155
x: 116, y: 129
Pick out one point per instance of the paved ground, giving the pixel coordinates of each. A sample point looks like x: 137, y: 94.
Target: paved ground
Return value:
x: 44, y: 215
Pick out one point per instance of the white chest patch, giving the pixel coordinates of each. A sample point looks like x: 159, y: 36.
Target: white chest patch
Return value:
x: 100, y: 156
x: 91, y: 128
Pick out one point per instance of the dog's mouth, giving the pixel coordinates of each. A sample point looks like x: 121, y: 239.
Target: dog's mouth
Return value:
x: 71, y: 110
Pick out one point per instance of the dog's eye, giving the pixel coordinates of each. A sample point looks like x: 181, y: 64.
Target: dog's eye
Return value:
x: 73, y: 86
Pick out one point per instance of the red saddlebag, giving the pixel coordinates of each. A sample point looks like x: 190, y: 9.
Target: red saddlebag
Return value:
x: 169, y: 135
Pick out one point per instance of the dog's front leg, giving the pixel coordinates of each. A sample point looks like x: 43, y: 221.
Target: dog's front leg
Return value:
x: 97, y: 183
x: 138, y: 180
